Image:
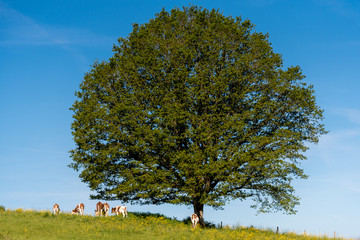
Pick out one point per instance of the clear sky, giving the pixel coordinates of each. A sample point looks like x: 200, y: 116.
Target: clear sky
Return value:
x: 46, y: 47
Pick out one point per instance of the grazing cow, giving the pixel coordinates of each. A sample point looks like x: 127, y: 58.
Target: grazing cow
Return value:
x: 99, y: 209
x: 79, y: 209
x: 102, y: 209
x: 106, y: 209
x: 120, y: 209
x: 56, y: 208
x: 194, y: 220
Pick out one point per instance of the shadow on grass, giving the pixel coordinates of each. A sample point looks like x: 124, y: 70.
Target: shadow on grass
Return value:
x: 186, y: 221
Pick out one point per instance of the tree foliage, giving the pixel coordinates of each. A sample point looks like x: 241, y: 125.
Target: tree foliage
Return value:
x: 194, y: 108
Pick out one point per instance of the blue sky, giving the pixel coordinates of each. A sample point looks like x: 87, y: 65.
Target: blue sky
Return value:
x: 46, y: 47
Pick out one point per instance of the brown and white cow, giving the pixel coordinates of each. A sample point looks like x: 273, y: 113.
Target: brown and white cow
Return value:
x: 102, y: 209
x: 79, y: 209
x: 106, y: 209
x: 56, y: 208
x: 99, y: 209
x: 120, y: 210
x: 194, y: 220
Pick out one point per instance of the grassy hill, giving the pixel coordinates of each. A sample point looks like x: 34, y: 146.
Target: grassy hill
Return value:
x: 29, y: 224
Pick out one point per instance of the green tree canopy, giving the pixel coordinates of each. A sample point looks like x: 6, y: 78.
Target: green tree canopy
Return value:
x: 194, y: 108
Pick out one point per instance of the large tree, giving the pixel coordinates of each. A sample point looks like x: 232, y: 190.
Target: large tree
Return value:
x: 194, y: 108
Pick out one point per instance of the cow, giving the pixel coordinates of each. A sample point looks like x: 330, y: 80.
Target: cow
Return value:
x: 120, y: 209
x: 102, y: 209
x: 99, y: 209
x: 79, y: 209
x: 106, y: 209
x: 56, y: 208
x: 194, y: 220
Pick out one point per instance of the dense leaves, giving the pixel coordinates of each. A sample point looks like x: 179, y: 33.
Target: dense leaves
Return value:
x: 194, y: 108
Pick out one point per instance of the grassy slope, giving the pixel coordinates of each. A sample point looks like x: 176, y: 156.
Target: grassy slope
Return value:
x: 21, y: 224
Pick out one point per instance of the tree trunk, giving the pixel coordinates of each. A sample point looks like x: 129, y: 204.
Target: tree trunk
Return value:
x: 198, y: 210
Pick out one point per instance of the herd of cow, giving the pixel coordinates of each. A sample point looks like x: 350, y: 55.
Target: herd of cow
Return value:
x: 103, y: 209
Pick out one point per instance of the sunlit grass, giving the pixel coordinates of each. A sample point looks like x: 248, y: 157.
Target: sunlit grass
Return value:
x: 30, y: 224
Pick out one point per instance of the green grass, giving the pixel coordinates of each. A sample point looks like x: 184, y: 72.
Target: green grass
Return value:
x: 20, y: 224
